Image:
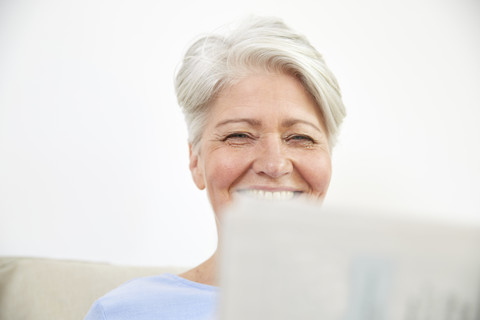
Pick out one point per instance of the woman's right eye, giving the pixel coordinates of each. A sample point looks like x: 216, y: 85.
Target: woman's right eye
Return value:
x: 237, y: 135
x: 238, y: 138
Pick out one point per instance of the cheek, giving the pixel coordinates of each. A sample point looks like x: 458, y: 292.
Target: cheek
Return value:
x: 224, y: 168
x: 317, y: 173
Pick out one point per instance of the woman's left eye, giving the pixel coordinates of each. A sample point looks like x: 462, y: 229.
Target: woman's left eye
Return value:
x: 300, y: 137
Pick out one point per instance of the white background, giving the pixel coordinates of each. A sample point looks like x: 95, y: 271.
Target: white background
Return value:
x: 93, y: 152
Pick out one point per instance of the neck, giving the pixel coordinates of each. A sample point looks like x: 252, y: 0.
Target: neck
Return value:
x: 205, y: 273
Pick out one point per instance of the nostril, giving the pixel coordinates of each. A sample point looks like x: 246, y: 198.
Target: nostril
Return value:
x: 274, y: 167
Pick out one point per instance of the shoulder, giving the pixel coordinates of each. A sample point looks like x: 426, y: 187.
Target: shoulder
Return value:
x: 165, y: 296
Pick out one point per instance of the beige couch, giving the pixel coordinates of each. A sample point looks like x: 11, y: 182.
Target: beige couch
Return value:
x: 41, y: 289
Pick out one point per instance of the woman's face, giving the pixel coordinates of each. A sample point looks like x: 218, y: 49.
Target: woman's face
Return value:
x: 264, y: 137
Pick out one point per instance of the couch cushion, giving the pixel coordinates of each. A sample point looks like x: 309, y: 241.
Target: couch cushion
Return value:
x: 34, y: 288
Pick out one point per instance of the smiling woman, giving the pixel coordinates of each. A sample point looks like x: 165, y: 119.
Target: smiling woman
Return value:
x: 264, y: 135
x: 263, y: 112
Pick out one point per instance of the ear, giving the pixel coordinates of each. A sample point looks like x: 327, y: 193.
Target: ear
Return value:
x: 196, y: 169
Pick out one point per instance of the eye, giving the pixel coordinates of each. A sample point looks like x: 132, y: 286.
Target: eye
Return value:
x: 300, y: 137
x: 238, y: 138
x: 301, y: 140
x: 237, y: 135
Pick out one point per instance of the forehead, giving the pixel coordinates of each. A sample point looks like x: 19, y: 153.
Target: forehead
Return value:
x: 257, y: 95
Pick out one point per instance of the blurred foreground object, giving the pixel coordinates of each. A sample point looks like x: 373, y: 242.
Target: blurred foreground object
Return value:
x: 292, y: 260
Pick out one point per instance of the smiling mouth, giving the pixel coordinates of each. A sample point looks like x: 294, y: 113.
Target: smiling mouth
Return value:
x: 269, y: 195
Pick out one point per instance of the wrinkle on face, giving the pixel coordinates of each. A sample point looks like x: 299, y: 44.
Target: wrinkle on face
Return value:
x: 255, y: 127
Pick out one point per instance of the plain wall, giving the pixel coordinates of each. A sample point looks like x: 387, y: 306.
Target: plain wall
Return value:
x: 93, y: 152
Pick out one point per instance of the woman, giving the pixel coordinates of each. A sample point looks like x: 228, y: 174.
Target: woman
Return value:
x: 263, y: 112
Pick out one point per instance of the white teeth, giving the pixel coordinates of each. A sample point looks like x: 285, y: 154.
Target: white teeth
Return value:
x: 269, y: 195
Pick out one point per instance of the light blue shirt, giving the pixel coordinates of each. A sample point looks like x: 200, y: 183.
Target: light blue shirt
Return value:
x: 165, y: 297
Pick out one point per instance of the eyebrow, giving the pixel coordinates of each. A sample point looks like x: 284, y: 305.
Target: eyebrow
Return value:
x: 256, y: 123
x: 291, y: 122
x: 252, y: 122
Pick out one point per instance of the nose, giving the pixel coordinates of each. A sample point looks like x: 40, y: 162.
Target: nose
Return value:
x: 272, y: 159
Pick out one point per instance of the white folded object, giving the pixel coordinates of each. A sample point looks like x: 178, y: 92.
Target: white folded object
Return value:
x: 294, y: 260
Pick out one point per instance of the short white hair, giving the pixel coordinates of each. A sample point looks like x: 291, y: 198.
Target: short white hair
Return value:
x: 216, y: 61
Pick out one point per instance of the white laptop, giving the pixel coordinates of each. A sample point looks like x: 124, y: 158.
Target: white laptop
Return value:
x: 293, y: 260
